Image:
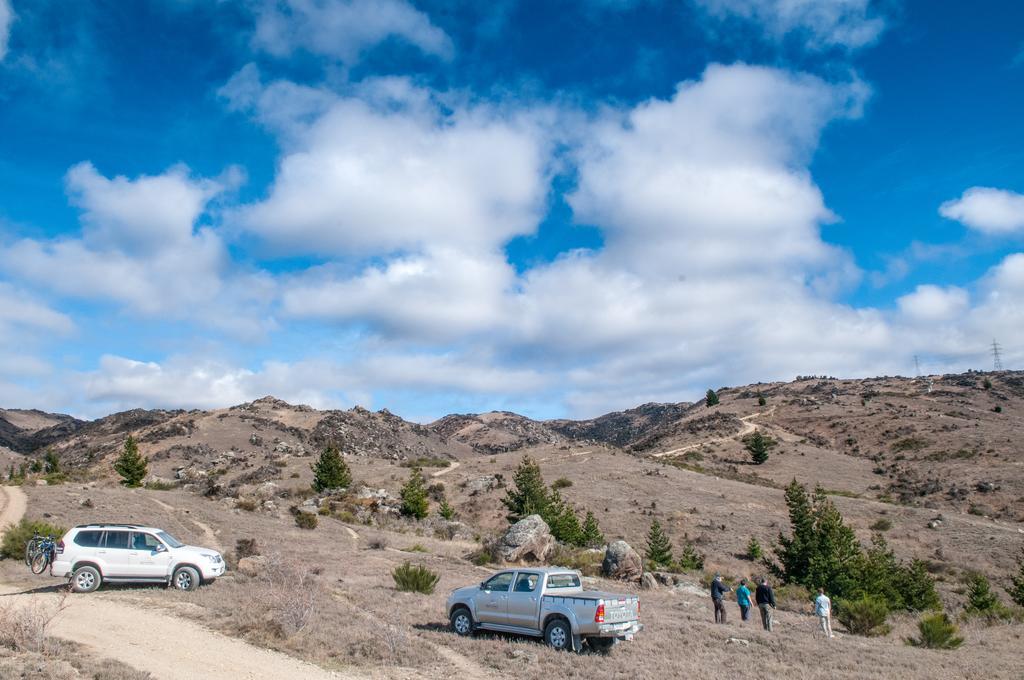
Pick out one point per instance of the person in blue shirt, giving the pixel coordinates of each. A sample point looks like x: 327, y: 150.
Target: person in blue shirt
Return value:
x: 743, y: 600
x: 823, y: 609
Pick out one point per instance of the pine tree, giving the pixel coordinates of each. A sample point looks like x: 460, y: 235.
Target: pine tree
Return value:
x: 592, y: 536
x: 562, y: 520
x: 711, y: 398
x: 530, y: 496
x: 757, y: 445
x: 36, y: 466
x: 754, y: 550
x: 330, y: 471
x: 980, y: 598
x: 795, y: 551
x: 837, y: 554
x: 130, y: 464
x: 1016, y: 592
x: 761, y: 401
x: 690, y: 559
x: 446, y: 511
x: 659, y: 547
x: 51, y: 464
x: 414, y: 496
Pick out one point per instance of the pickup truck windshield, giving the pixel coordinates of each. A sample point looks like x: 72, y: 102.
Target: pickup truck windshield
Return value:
x: 563, y: 581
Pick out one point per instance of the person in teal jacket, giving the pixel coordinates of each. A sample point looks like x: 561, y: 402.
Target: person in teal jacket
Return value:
x: 743, y: 600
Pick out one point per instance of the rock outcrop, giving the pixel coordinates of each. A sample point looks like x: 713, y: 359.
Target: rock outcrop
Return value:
x: 528, y: 540
x: 622, y: 562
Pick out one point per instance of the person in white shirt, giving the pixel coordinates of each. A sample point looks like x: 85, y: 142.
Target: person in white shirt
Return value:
x: 823, y: 608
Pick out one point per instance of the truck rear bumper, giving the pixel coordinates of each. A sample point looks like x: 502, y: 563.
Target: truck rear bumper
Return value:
x: 623, y: 631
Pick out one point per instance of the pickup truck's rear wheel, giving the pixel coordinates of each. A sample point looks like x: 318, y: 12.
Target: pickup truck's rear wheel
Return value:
x: 601, y: 645
x: 185, y: 578
x: 462, y: 621
x: 558, y: 635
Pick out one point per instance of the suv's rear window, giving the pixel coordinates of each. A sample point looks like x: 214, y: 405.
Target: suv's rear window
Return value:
x: 89, y: 539
x: 563, y: 581
x: 117, y: 539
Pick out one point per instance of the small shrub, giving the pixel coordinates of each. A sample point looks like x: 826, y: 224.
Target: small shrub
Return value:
x: 936, y: 632
x: 157, y: 485
x: 910, y: 444
x: 1016, y: 589
x: 246, y: 547
x: 425, y: 461
x: 445, y: 510
x: 561, y: 483
x: 305, y: 520
x: 247, y: 504
x: 415, y: 579
x: 18, y: 536
x: 882, y: 524
x: 23, y: 627
x: 761, y: 401
x: 864, y: 616
x: 587, y: 562
x: 997, y: 409
x: 294, y: 475
x: 345, y: 516
x: 379, y: 543
x: 754, y: 550
x: 417, y: 548
x: 324, y: 510
x: 976, y: 510
x: 987, y: 384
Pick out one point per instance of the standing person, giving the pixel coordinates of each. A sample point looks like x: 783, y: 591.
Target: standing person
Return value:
x: 743, y: 600
x: 823, y: 608
x: 718, y: 591
x: 765, y: 598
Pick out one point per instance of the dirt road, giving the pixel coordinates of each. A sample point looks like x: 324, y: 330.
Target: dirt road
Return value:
x: 748, y: 428
x: 168, y: 647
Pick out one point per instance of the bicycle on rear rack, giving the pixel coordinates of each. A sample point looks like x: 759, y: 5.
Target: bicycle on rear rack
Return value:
x: 31, y: 548
x: 45, y: 553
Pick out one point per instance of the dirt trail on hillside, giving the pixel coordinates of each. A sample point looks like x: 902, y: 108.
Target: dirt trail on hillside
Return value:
x: 168, y: 647
x: 748, y: 428
x: 446, y: 470
x: 211, y: 536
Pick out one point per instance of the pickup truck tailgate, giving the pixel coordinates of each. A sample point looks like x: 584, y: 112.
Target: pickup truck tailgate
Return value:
x: 620, y: 609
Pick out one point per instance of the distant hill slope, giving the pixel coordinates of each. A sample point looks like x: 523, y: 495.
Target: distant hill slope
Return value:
x: 945, y: 441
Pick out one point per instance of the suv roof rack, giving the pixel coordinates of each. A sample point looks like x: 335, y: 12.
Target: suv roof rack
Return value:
x: 106, y: 524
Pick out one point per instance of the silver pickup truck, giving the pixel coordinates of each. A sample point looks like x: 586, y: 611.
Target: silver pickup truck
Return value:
x: 548, y: 603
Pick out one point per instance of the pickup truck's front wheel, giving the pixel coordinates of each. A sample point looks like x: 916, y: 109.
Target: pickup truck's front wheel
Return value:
x: 462, y: 621
x: 558, y: 635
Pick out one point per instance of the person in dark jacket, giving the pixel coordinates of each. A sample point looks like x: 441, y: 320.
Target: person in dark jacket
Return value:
x: 765, y: 599
x: 718, y: 591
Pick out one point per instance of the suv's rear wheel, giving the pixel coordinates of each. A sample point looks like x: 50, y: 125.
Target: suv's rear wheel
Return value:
x: 462, y: 621
x: 558, y: 635
x: 86, y: 579
x: 185, y: 578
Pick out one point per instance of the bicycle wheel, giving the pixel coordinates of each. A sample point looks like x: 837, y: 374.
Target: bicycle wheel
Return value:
x: 30, y: 551
x: 40, y: 562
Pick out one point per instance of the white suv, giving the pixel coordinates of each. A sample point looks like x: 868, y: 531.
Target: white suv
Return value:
x: 91, y: 554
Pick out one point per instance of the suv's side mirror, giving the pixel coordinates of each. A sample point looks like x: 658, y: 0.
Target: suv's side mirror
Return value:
x: 161, y: 548
x: 483, y: 585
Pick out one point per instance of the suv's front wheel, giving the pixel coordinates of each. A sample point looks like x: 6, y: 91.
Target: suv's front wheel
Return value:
x: 86, y: 579
x: 185, y: 578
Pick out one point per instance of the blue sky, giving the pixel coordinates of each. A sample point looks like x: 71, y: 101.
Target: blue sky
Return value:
x: 437, y: 206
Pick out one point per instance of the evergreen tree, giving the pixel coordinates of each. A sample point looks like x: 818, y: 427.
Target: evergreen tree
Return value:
x: 10, y: 472
x: 711, y: 398
x: 754, y: 550
x: 330, y: 471
x: 761, y: 401
x: 414, y: 496
x: 36, y: 466
x: 690, y: 559
x: 562, y: 520
x: 446, y: 511
x: 980, y: 598
x: 659, y: 547
x: 794, y: 551
x: 757, y: 446
x: 51, y: 464
x: 592, y: 536
x: 130, y: 464
x: 1016, y: 591
x: 529, y: 496
x: 837, y: 554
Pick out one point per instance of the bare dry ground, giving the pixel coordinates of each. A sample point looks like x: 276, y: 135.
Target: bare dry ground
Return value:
x: 361, y: 622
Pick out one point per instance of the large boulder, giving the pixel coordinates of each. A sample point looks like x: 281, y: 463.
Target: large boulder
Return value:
x: 528, y: 540
x: 622, y: 562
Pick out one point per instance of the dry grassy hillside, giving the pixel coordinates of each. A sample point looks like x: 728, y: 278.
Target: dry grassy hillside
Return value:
x: 933, y: 463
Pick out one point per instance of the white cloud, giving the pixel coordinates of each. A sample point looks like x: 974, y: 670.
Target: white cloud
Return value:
x: 19, y: 311
x: 441, y: 295
x: 6, y: 19
x: 821, y: 24
x: 344, y: 29
x: 929, y: 303
x: 139, y: 248
x: 401, y: 172
x: 988, y: 210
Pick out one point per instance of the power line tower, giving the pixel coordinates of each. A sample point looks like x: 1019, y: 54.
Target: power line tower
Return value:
x: 997, y: 360
x: 917, y: 366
